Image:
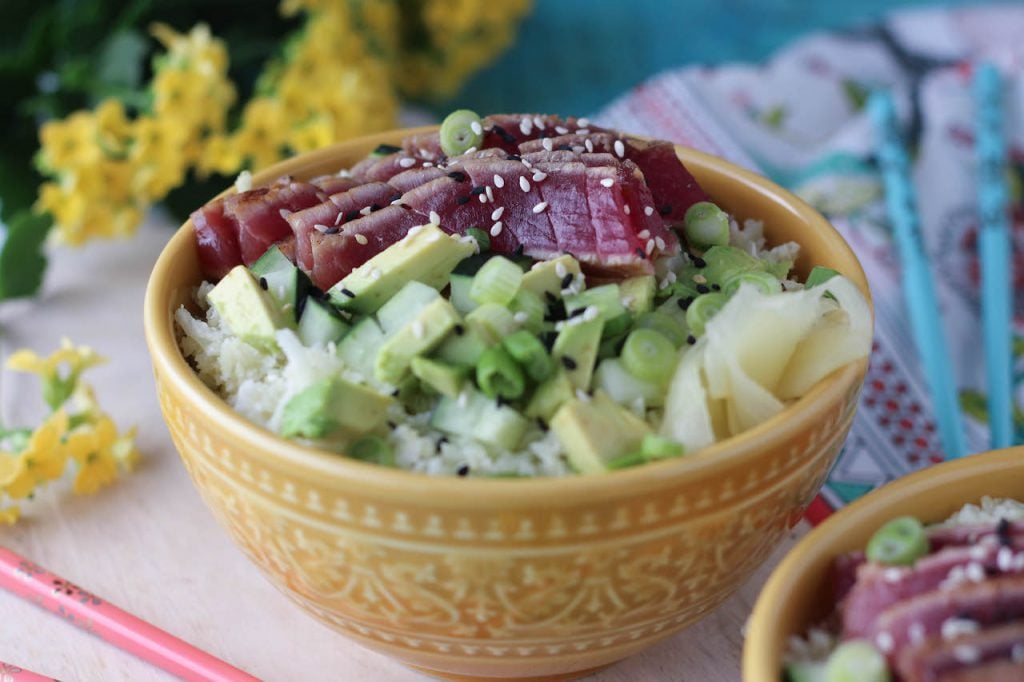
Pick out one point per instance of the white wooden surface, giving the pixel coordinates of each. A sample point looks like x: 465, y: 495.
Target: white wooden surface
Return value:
x: 150, y: 546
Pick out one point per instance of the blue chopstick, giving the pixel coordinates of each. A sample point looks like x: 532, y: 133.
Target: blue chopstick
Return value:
x: 994, y: 253
x: 918, y: 284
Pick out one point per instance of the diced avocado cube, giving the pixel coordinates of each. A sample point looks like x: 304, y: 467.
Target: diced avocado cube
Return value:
x: 358, y: 350
x: 549, y: 275
x: 405, y: 306
x: 459, y: 296
x: 417, y: 337
x: 529, y: 309
x: 575, y: 349
x: 638, y: 293
x: 725, y: 261
x: 320, y: 324
x: 415, y: 396
x: 272, y: 260
x: 333, y: 404
x: 444, y: 378
x: 497, y: 281
x: 624, y: 388
x: 597, y: 430
x: 492, y: 322
x: 550, y: 395
x: 463, y: 349
x: 426, y: 255
x: 474, y: 415
x: 606, y: 299
x: 246, y: 309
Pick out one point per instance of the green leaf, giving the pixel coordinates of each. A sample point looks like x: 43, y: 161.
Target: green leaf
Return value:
x: 122, y: 59
x: 22, y: 262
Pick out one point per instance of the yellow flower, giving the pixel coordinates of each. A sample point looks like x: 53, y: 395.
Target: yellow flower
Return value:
x: 93, y: 447
x: 57, y: 385
x: 42, y: 459
x: 69, y: 142
x: 9, y: 515
x: 260, y: 137
x: 113, y: 129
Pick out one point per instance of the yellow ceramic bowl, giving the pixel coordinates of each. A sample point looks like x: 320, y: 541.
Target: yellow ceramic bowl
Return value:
x: 797, y: 593
x: 542, y: 578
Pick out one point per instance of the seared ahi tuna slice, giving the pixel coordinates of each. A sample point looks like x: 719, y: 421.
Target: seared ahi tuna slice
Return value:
x: 457, y: 206
x: 992, y: 602
x: 414, y: 177
x: 332, y: 184
x: 879, y: 587
x: 336, y: 254
x: 565, y: 192
x: 939, y: 656
x: 617, y: 216
x: 673, y: 187
x: 339, y: 209
x: 383, y: 168
x: 995, y: 671
x: 216, y: 241
x: 258, y: 214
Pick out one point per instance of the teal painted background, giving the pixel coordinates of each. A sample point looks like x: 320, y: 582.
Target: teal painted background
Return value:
x: 574, y: 56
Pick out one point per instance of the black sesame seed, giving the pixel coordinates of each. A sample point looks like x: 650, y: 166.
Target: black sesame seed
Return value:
x: 332, y: 230
x: 300, y: 305
x: 348, y: 292
x: 462, y: 201
x: 564, y: 148
x: 640, y: 253
x: 702, y: 289
x: 1003, y: 533
x: 550, y: 297
x: 699, y: 262
x: 442, y: 440
x: 500, y: 400
x: 351, y: 215
x: 567, y: 281
x: 263, y: 283
x: 715, y: 287
x: 568, y: 363
x: 392, y: 425
x: 504, y: 135
x: 665, y: 210
x: 691, y: 339
x: 513, y: 157
x: 459, y: 330
x: 478, y: 190
x: 457, y: 176
x: 385, y: 149
x: 541, y: 424
x: 577, y: 312
x: 394, y: 393
x: 374, y: 207
x: 684, y: 303
x: 394, y: 197
x: 463, y: 470
x: 548, y: 339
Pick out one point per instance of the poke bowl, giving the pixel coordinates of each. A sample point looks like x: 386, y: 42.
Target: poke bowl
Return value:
x: 923, y: 618
x: 495, y: 577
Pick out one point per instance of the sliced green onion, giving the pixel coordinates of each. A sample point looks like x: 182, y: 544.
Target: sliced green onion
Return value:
x: 649, y: 355
x: 529, y: 352
x: 703, y: 308
x: 706, y: 225
x: 372, y: 449
x: 654, y: 446
x: 461, y: 131
x: 765, y: 281
x: 498, y: 375
x: 819, y: 275
x: 630, y: 459
x: 497, y: 281
x: 900, y: 542
x: 664, y: 324
x: 857, y: 660
x: 481, y: 237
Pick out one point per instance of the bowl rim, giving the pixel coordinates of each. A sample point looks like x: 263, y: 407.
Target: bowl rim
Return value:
x: 460, y: 492
x: 761, y: 660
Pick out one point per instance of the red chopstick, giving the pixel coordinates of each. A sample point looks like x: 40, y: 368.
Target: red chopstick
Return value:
x: 84, y: 609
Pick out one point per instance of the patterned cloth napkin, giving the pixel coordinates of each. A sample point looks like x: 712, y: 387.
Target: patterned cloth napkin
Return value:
x: 799, y: 119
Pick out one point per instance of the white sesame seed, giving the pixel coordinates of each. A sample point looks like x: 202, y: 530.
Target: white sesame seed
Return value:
x: 375, y: 273
x: 582, y: 395
x: 660, y: 243
x: 413, y: 231
x: 407, y: 162
x: 620, y: 149
x: 337, y: 221
x: 648, y: 210
x: 957, y: 627
x: 671, y: 276
x: 483, y: 198
x: 434, y: 218
x: 627, y: 301
x: 397, y: 201
x: 490, y: 193
x: 560, y: 270
x: 583, y: 122
x: 884, y: 641
x: 366, y: 210
x: 590, y: 313
x: 361, y: 238
x: 561, y: 130
x: 539, y: 122
x: 463, y: 399
x: 644, y: 234
x: 470, y: 150
x: 975, y: 572
x: 649, y: 249
x: 700, y: 279
x: 548, y: 144
x: 496, y: 229
x: 243, y: 183
x: 608, y: 182
x: 1004, y: 559
x: 524, y: 184
x: 916, y: 633
x: 967, y: 654
x: 499, y: 181
x: 526, y: 126
x: 344, y: 173
x: 521, y: 317
x: 626, y: 209
x: 476, y: 128
x: 434, y: 236
x: 526, y: 163
x: 417, y: 329
x: 589, y: 145
x: 539, y: 175
x: 496, y: 213
x: 320, y: 228
x: 427, y: 164
x: 539, y: 208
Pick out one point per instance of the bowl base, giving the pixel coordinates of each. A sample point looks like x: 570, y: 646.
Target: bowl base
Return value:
x: 560, y: 677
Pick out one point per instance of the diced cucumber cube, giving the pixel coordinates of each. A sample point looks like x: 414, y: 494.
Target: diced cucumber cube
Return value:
x: 473, y: 415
